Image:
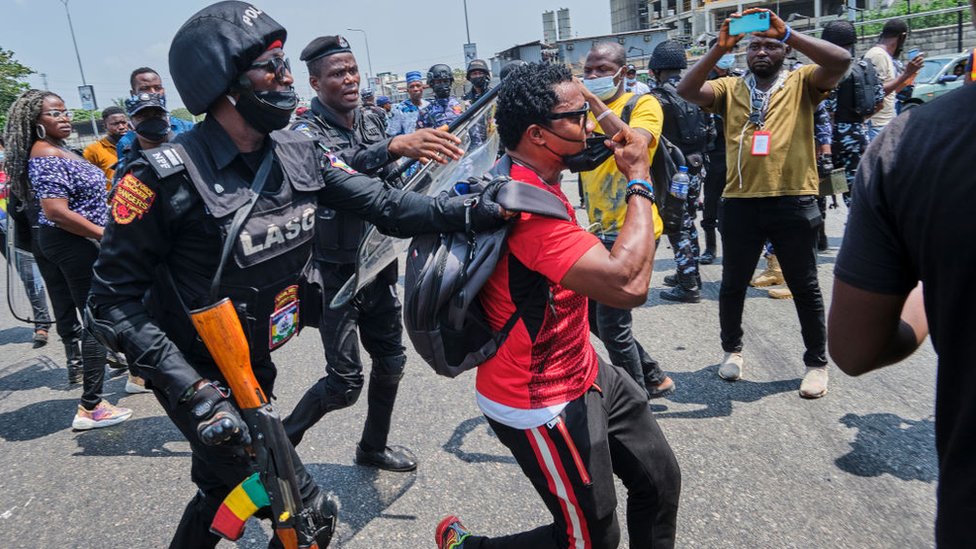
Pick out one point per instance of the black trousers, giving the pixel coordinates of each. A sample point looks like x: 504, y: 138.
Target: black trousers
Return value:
x: 791, y: 224
x: 714, y: 185
x: 67, y: 271
x: 374, y: 316
x: 216, y: 470
x: 571, y: 463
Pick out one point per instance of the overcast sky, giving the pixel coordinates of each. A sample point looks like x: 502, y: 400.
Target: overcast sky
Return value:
x: 116, y: 36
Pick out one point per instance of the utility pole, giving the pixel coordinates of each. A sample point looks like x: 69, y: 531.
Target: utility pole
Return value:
x: 80, y: 67
x: 369, y: 60
x: 43, y: 76
x: 466, y: 28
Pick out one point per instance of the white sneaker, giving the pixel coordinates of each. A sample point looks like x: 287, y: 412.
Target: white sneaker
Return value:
x: 814, y: 383
x: 135, y: 385
x: 731, y: 368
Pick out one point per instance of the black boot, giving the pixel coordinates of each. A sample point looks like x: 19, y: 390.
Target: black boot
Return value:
x: 72, y: 350
x: 671, y: 280
x: 708, y: 256
x: 688, y: 291
x: 372, y: 450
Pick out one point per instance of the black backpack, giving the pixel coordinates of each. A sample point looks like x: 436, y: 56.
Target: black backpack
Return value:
x: 684, y: 122
x: 856, y: 99
x: 664, y: 165
x: 445, y: 272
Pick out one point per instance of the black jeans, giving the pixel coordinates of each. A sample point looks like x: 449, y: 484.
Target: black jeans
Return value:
x: 714, y: 185
x: 571, y: 462
x: 374, y: 316
x: 791, y: 224
x: 67, y: 272
x: 216, y: 470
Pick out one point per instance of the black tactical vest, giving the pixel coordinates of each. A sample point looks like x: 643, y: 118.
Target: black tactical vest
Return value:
x: 267, y: 273
x: 338, y: 234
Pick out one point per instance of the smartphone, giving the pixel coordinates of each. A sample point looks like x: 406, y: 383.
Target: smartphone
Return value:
x: 913, y: 53
x: 754, y: 22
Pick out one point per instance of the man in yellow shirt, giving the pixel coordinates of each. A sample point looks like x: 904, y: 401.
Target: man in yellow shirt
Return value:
x: 771, y: 184
x: 604, y: 193
x: 102, y: 152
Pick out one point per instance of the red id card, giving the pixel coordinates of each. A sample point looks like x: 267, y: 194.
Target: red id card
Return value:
x: 760, y: 143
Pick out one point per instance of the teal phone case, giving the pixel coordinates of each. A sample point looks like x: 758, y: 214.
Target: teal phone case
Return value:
x: 754, y: 22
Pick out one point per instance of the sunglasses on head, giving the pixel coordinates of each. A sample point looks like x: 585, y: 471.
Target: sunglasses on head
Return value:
x: 276, y: 65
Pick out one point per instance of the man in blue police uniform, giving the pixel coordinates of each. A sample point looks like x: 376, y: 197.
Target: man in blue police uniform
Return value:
x: 445, y: 108
x: 176, y: 226
x: 405, y: 114
x: 357, y: 137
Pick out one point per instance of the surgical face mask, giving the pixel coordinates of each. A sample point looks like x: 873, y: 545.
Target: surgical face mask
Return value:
x: 726, y: 62
x: 153, y: 129
x: 631, y: 81
x: 266, y: 111
x: 602, y: 87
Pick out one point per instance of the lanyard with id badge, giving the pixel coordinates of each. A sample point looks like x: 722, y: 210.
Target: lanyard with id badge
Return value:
x: 761, y: 143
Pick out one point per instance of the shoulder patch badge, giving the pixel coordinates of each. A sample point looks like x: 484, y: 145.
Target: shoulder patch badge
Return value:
x: 131, y: 200
x: 338, y: 163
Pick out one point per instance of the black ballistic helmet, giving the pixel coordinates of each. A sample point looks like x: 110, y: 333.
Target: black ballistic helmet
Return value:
x: 840, y: 33
x: 668, y: 55
x: 477, y: 64
x: 439, y: 71
x: 215, y: 46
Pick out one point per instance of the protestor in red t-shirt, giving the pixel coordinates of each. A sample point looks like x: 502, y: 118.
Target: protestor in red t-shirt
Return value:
x: 570, y: 420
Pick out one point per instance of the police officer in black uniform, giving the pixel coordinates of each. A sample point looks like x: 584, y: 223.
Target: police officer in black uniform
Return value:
x: 480, y: 77
x: 357, y: 137
x: 176, y: 208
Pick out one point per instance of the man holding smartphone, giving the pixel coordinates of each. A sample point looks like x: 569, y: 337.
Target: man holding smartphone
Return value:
x: 771, y: 179
x: 883, y: 56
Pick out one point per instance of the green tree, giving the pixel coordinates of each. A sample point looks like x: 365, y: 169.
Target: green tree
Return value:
x: 182, y: 113
x: 12, y: 84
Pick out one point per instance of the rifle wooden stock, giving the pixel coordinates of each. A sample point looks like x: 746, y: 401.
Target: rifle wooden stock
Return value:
x: 220, y: 329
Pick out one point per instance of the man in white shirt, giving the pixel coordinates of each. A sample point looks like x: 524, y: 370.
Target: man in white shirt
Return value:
x: 882, y: 56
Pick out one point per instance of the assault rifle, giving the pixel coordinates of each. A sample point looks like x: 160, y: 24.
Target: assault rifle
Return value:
x: 274, y: 483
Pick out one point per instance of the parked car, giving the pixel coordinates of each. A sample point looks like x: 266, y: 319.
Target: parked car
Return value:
x: 939, y: 75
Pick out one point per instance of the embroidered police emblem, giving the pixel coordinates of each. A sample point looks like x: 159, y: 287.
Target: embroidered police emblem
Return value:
x: 131, y: 200
x: 342, y: 42
x: 336, y: 162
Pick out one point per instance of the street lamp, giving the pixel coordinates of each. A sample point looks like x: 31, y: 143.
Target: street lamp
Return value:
x: 368, y: 59
x: 80, y: 68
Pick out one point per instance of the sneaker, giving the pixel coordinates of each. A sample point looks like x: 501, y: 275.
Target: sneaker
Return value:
x: 707, y: 257
x: 814, y: 384
x: 104, y: 415
x: 662, y: 389
x: 731, y: 368
x: 780, y: 293
x: 136, y: 385
x: 451, y: 533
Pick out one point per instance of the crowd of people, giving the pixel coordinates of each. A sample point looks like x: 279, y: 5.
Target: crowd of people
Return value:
x: 267, y: 206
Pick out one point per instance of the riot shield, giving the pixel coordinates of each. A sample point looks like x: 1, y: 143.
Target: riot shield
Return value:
x: 479, y: 140
x: 26, y: 295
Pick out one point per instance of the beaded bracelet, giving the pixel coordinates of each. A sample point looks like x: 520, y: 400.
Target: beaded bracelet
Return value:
x: 638, y: 191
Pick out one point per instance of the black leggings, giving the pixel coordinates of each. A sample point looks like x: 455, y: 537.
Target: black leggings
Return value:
x: 67, y: 272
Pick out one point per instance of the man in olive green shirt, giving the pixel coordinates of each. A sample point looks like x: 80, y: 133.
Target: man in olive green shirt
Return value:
x: 771, y: 178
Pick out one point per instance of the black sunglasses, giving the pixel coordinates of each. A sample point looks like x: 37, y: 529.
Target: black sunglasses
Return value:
x: 580, y: 114
x: 276, y: 65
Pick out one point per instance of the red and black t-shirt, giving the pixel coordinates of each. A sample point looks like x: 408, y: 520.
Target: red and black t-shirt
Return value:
x: 547, y: 358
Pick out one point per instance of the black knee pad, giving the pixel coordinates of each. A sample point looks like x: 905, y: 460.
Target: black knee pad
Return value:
x: 388, y: 369
x: 337, y: 400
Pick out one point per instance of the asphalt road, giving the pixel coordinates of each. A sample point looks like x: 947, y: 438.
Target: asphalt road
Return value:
x: 761, y: 467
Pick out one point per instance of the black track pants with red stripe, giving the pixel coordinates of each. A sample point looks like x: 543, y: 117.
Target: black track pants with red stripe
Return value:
x: 571, y: 462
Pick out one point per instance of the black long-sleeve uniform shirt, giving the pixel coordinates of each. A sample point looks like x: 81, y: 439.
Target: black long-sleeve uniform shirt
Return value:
x: 171, y: 224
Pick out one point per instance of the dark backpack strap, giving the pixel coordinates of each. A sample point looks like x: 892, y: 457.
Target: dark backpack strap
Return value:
x: 628, y: 109
x: 239, y: 218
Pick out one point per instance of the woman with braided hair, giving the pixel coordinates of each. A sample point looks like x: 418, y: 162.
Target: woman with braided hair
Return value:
x: 66, y: 201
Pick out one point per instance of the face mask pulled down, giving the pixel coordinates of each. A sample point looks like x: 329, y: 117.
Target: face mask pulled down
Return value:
x: 594, y: 153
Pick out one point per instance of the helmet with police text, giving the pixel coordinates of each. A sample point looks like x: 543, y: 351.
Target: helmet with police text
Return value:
x: 668, y: 55
x: 477, y: 65
x: 217, y: 45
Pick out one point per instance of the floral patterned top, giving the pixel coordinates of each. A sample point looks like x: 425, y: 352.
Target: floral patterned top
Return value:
x: 80, y: 181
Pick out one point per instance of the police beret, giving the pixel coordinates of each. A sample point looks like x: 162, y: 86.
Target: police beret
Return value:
x: 323, y: 46
x: 215, y: 46
x: 668, y: 55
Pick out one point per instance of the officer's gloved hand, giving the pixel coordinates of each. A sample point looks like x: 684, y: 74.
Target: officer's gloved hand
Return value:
x: 487, y: 213
x: 219, y: 422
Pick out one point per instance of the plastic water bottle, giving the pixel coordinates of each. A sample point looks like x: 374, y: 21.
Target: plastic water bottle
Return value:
x: 680, y: 183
